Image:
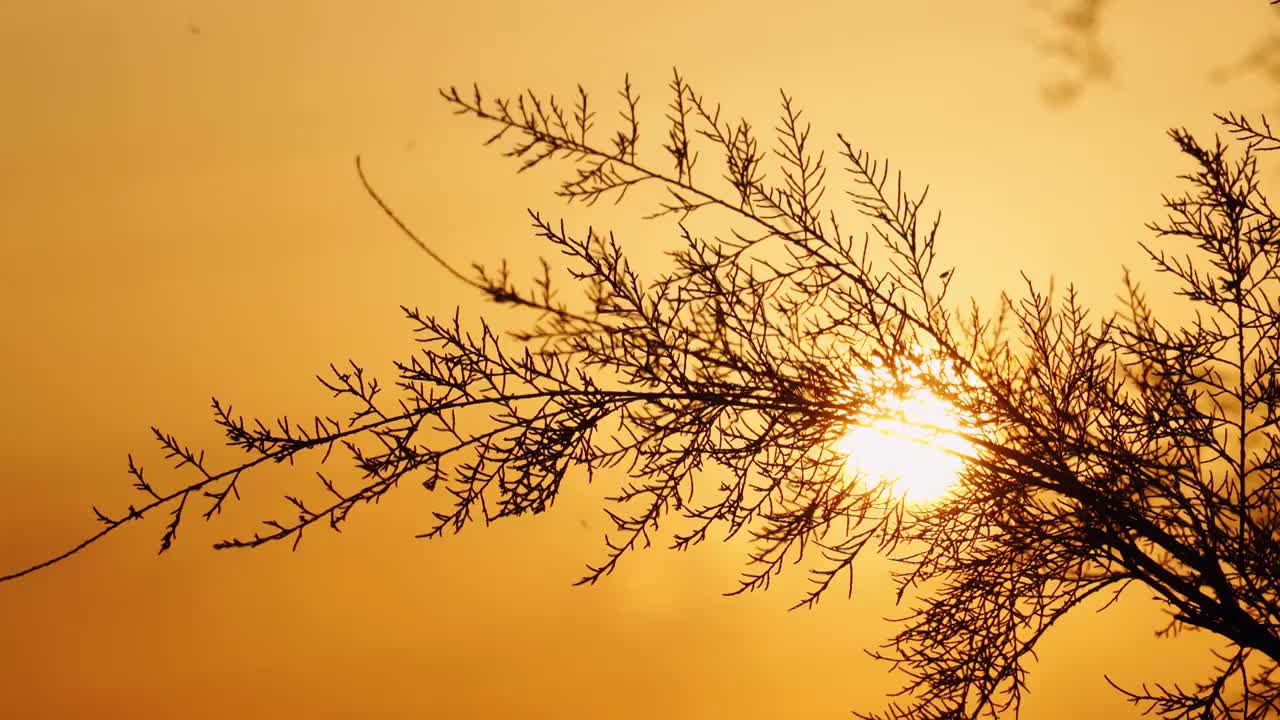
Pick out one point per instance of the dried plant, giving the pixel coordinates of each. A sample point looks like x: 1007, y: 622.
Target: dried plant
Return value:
x: 1102, y: 451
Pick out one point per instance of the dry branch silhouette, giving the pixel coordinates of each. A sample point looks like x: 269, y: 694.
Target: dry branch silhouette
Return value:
x: 1110, y: 451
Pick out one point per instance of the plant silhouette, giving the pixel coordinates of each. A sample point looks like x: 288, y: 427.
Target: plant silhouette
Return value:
x: 1103, y: 451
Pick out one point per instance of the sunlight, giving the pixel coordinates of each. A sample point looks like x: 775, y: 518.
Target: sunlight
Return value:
x: 909, y: 441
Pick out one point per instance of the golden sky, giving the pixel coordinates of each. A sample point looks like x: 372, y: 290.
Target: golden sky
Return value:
x: 181, y: 218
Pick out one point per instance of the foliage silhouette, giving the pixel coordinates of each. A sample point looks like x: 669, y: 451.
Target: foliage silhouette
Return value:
x: 1104, y: 451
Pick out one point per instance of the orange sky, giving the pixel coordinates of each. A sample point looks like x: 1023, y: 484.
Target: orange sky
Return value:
x: 181, y: 218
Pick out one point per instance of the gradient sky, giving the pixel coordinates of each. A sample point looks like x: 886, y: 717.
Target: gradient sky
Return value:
x: 179, y: 217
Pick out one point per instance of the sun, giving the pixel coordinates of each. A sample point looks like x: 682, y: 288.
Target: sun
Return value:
x: 912, y: 440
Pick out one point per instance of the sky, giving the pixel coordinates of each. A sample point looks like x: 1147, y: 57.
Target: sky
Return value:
x: 180, y: 218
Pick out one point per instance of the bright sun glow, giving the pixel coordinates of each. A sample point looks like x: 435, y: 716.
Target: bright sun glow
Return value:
x: 909, y: 441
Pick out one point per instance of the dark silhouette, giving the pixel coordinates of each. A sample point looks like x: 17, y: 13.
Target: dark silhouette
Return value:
x: 1101, y: 451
